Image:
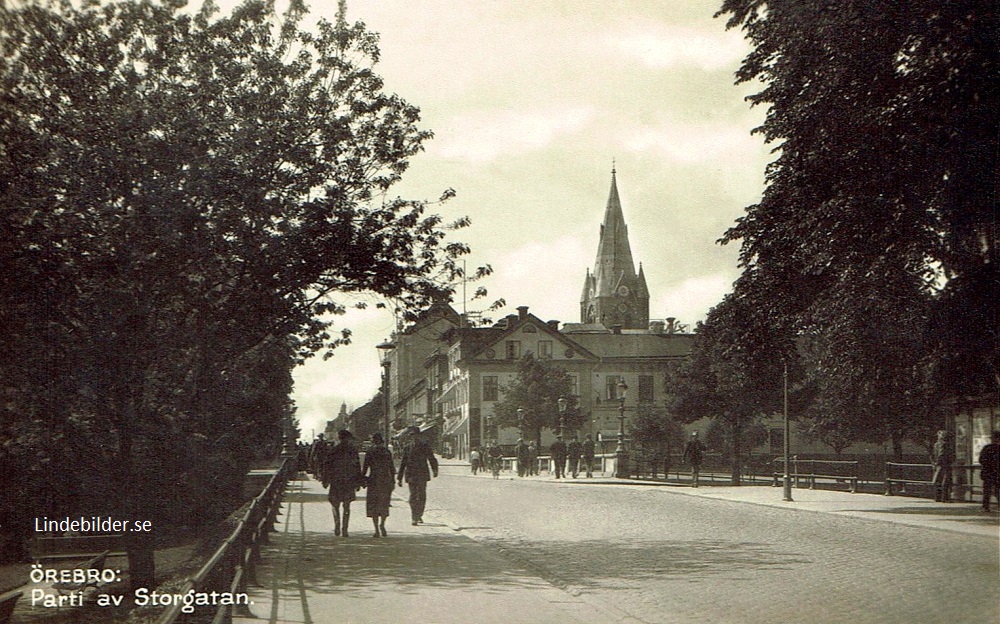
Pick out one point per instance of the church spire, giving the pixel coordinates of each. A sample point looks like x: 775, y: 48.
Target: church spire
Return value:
x: 614, y: 294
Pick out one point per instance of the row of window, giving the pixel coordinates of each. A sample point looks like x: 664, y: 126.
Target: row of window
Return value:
x: 491, y: 387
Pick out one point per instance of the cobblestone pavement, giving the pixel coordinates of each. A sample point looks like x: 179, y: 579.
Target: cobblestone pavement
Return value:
x: 658, y: 556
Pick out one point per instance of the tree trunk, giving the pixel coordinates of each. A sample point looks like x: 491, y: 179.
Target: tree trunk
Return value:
x: 139, y: 546
x: 737, y: 468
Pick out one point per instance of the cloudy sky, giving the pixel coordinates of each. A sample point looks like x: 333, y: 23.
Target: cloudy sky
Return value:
x: 530, y: 102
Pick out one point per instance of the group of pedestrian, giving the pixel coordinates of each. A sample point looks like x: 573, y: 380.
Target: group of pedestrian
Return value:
x: 576, y: 454
x: 340, y: 470
x: 527, y: 458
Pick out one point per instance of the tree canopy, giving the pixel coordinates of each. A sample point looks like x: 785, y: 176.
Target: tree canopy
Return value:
x: 184, y: 196
x: 875, y: 241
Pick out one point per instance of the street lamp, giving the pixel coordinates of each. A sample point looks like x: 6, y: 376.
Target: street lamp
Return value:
x: 562, y: 413
x: 520, y: 422
x: 787, y: 449
x: 621, y: 456
x: 384, y: 350
x: 489, y: 430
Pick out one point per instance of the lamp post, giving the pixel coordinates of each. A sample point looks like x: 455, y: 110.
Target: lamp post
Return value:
x: 384, y: 349
x: 621, y: 456
x: 788, y: 477
x: 489, y: 430
x: 562, y: 403
x: 520, y: 422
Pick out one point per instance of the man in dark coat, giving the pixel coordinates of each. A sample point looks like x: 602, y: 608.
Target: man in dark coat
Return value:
x: 692, y: 454
x: 416, y: 466
x: 574, y: 451
x: 588, y: 455
x: 989, y: 462
x: 557, y: 450
x: 942, y: 458
x: 523, y: 462
x: 341, y: 472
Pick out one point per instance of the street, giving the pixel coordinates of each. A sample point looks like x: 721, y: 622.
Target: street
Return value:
x: 651, y: 554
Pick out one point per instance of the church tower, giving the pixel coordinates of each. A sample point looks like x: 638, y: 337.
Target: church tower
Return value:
x: 614, y: 294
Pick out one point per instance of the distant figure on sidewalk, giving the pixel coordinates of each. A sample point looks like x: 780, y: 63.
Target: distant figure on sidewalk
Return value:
x: 532, y: 458
x: 693, y: 452
x: 558, y: 452
x: 416, y: 466
x: 378, y: 472
x: 574, y: 451
x: 474, y: 458
x: 341, y: 472
x: 942, y: 458
x: 989, y: 462
x: 588, y: 455
x: 521, y: 452
x: 495, y: 459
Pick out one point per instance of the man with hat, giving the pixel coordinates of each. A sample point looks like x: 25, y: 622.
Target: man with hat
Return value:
x: 557, y: 450
x: 416, y: 467
x: 341, y: 472
x: 692, y: 454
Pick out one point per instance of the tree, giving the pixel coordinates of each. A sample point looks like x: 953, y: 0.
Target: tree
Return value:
x: 183, y: 197
x: 734, y: 374
x: 883, y: 195
x: 537, y: 389
x: 654, y: 431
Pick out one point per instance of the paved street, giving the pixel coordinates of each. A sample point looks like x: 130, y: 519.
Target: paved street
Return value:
x: 545, y: 551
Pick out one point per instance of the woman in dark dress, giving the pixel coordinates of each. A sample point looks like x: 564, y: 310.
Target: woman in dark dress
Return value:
x: 378, y: 471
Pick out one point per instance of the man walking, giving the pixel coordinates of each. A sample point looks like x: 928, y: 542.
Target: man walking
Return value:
x: 574, y: 451
x: 532, y: 459
x: 558, y: 452
x: 989, y: 462
x: 588, y: 455
x: 692, y: 454
x: 942, y: 458
x: 521, y: 452
x: 416, y: 467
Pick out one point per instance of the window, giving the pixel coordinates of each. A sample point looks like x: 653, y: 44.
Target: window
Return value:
x: 612, y: 387
x: 491, y: 388
x: 574, y: 388
x: 513, y: 349
x: 645, y: 387
x: 545, y: 349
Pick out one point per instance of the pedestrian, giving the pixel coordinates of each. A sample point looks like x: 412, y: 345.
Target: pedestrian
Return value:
x: 532, y: 459
x: 989, y: 470
x: 557, y: 450
x: 942, y: 458
x: 521, y: 452
x: 341, y: 472
x: 693, y: 452
x: 574, y: 452
x: 416, y: 467
x: 317, y: 451
x: 474, y: 459
x: 588, y: 455
x: 378, y: 471
x: 495, y: 459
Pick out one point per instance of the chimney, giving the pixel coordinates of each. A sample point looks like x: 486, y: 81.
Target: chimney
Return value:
x: 553, y: 325
x: 616, y: 329
x: 656, y: 327
x: 671, y: 324
x: 522, y: 312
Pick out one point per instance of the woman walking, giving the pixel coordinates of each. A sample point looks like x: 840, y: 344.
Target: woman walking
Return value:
x: 378, y: 473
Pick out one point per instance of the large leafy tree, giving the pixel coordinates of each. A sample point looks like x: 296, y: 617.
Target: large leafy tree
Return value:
x: 877, y: 230
x: 536, y: 389
x: 184, y: 195
x: 734, y: 375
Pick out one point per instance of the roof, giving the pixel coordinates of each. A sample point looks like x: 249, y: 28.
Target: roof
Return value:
x: 636, y: 344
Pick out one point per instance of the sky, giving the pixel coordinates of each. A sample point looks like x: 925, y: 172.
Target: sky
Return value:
x: 532, y: 102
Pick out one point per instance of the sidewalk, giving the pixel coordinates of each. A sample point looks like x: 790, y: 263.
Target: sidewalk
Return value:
x: 962, y: 517
x: 427, y: 573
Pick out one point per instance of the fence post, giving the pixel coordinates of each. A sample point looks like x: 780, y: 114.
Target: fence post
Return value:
x: 888, y: 479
